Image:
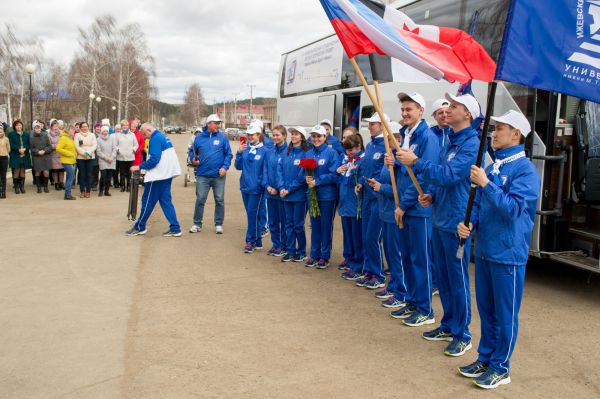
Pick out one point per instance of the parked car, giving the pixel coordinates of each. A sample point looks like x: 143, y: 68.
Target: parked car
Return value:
x: 233, y: 133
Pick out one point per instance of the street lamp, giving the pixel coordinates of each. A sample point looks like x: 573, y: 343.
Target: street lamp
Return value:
x: 98, y: 99
x: 30, y: 69
x: 92, y: 96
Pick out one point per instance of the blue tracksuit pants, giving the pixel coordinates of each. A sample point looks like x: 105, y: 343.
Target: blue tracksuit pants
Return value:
x: 157, y: 191
x: 393, y: 245
x: 276, y: 222
x: 322, y: 231
x: 417, y: 262
x: 262, y: 215
x: 353, y: 243
x: 453, y: 282
x: 252, y: 205
x: 498, y: 290
x: 372, y: 233
x: 295, y: 215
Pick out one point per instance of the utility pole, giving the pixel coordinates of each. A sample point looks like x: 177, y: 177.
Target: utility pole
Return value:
x: 251, y: 99
x: 235, y: 121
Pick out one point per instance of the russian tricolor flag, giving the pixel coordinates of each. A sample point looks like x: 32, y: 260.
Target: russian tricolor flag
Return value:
x: 426, y: 52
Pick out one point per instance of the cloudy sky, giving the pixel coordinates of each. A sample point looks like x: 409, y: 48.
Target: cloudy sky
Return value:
x: 223, y: 45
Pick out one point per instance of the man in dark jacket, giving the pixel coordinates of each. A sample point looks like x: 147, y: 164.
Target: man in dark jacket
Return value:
x: 211, y: 155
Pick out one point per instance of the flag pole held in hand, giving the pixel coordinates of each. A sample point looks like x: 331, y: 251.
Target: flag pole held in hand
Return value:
x: 386, y: 126
x: 486, y: 124
x: 388, y: 151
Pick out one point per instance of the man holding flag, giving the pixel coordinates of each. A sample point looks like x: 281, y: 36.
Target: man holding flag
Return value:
x: 449, y: 194
x: 503, y: 216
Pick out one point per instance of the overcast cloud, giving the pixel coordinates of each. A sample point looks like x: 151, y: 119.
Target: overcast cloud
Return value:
x: 222, y: 45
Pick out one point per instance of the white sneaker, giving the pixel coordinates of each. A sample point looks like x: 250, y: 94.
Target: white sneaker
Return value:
x: 219, y: 229
x: 195, y: 229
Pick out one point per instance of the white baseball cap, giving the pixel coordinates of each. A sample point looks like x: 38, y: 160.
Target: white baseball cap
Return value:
x: 257, y: 122
x: 395, y: 126
x: 416, y: 97
x: 515, y: 119
x: 213, y: 118
x: 300, y: 130
x: 439, y: 104
x: 375, y: 118
x: 326, y: 122
x: 319, y: 130
x: 253, y: 129
x: 468, y: 101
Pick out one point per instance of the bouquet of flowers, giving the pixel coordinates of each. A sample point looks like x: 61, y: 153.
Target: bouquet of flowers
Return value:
x: 309, y: 165
x: 352, y: 161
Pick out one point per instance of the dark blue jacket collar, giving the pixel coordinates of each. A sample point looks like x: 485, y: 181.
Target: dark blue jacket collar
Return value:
x: 460, y: 137
x: 510, y: 151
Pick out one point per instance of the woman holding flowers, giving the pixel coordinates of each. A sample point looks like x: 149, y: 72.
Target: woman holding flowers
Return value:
x: 349, y: 209
x: 250, y: 160
x: 292, y: 190
x: 323, y: 195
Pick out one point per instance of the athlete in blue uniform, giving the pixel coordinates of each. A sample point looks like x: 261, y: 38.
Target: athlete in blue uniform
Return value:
x: 250, y: 159
x: 416, y: 235
x: 292, y: 189
x: 503, y: 217
x: 274, y: 202
x: 372, y: 227
x: 333, y: 141
x: 324, y: 182
x: 351, y: 224
x: 161, y: 167
x: 449, y: 197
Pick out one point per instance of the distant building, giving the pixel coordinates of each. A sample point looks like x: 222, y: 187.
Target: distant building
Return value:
x: 270, y: 118
x: 240, y: 116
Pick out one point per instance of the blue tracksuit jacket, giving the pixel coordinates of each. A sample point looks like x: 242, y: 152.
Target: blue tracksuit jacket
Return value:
x: 291, y: 177
x: 326, y: 173
x: 504, y: 211
x: 451, y: 178
x: 370, y: 166
x: 346, y: 183
x: 251, y: 163
x: 273, y: 158
x: 213, y: 151
x: 425, y: 145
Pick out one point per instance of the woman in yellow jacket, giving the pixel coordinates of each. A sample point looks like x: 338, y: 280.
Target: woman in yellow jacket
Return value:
x: 68, y: 157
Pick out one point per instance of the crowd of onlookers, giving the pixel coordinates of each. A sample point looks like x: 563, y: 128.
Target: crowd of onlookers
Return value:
x: 62, y: 155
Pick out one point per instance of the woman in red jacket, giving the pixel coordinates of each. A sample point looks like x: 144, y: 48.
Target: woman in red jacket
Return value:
x: 135, y: 128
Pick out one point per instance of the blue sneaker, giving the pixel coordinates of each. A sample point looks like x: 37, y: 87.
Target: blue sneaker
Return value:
x: 383, y: 294
x: 491, y: 379
x: 248, y: 248
x: 322, y: 264
x: 299, y: 258
x: 287, y: 258
x: 364, y: 280
x: 374, y: 283
x: 457, y: 348
x: 277, y: 252
x: 437, y: 335
x: 473, y: 370
x: 393, y: 302
x: 418, y: 319
x: 403, y: 313
x: 343, y: 265
x: 350, y: 275
x: 310, y: 262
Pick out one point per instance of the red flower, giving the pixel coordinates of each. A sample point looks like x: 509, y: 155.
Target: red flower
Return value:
x: 308, y: 163
x: 354, y: 159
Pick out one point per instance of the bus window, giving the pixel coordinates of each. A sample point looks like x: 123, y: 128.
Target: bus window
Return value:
x: 568, y: 109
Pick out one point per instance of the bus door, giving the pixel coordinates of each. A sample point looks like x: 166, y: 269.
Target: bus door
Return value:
x: 326, y: 109
x: 351, y: 109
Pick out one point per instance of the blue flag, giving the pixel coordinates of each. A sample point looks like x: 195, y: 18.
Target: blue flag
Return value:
x: 553, y: 45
